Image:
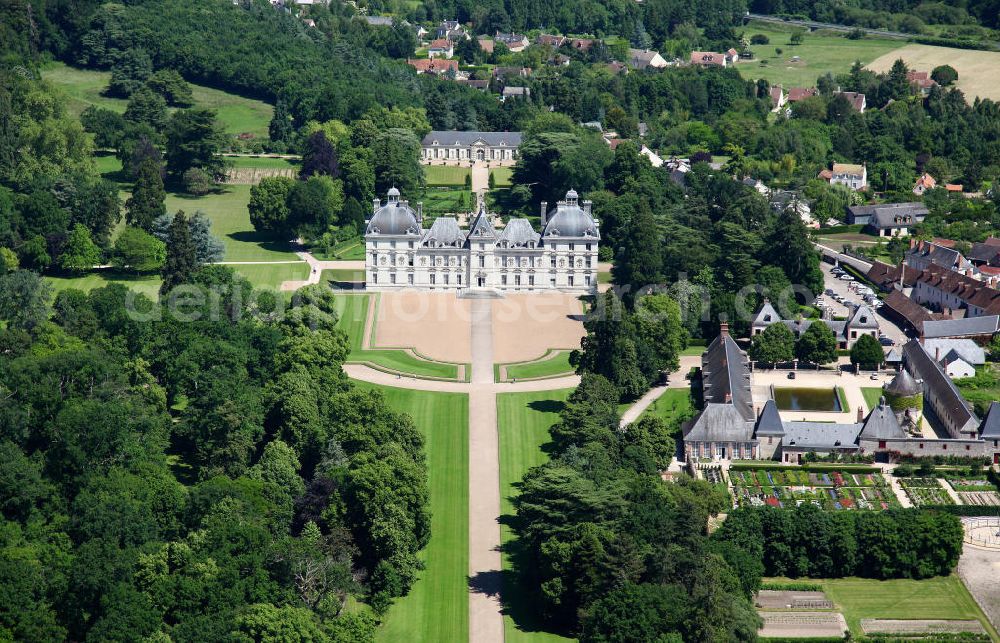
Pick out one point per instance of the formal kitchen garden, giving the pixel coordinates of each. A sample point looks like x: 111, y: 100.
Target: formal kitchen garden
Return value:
x: 833, y: 489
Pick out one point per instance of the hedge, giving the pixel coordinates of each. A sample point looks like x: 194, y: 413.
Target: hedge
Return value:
x: 954, y: 42
x: 792, y: 586
x: 966, y: 510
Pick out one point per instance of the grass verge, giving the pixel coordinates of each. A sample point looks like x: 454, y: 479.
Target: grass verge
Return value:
x: 553, y: 364
x: 437, y: 607
x: 523, y: 420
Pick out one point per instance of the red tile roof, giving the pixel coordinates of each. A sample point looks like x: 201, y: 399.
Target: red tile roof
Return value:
x: 432, y: 65
x: 800, y: 93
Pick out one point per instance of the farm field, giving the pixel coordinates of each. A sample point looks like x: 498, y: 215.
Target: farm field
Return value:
x: 523, y: 420
x: 819, y: 53
x: 352, y: 311
x: 942, y: 597
x: 437, y: 607
x: 84, y: 88
x: 450, y: 175
x: 978, y: 71
x: 830, y: 490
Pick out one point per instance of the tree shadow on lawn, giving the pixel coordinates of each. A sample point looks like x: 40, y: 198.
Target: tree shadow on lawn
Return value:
x: 262, y: 240
x: 547, y: 406
x: 519, y: 602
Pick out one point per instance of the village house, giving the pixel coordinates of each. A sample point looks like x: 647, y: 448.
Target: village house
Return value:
x: 435, y: 66
x: 887, y: 219
x: 503, y: 73
x: 515, y: 42
x: 487, y: 44
x: 949, y: 290
x: 939, y: 252
x: 795, y: 94
x: 441, y: 48
x: 456, y: 146
x: 861, y: 321
x: 515, y: 92
x: 379, y: 21
x: 980, y: 329
x: 452, y: 30
x: 708, y: 59
x: 957, y: 357
x: 924, y: 183
x: 645, y: 58
x: 856, y: 100
x: 850, y: 174
x: 778, y: 98
x: 986, y: 253
x: 481, y: 85
x: 548, y: 40
x: 921, y: 81
x: 400, y: 253
x: 582, y: 44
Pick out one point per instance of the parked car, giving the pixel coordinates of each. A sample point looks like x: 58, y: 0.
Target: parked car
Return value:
x: 874, y: 376
x: 886, y: 341
x: 828, y: 292
x: 791, y: 375
x: 845, y: 278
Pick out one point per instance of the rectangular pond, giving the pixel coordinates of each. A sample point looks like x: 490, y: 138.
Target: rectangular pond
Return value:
x: 800, y: 398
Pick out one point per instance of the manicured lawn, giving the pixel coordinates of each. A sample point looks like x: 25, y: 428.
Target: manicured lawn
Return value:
x: 818, y: 54
x: 264, y: 162
x: 942, y: 597
x: 342, y: 274
x: 352, y: 311
x: 350, y: 250
x: 673, y: 406
x: 84, y: 88
x: 604, y: 277
x: 556, y: 364
x: 447, y: 201
x: 231, y: 222
x: 148, y: 285
x: 274, y: 274
x: 437, y: 607
x: 693, y: 351
x: 523, y: 420
x: 445, y: 175
x: 502, y: 176
x: 872, y: 394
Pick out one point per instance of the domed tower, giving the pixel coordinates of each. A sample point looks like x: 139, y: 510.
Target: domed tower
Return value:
x: 570, y: 236
x: 905, y: 396
x: 392, y: 235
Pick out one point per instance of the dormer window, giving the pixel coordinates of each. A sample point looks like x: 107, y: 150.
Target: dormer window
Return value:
x: 767, y: 318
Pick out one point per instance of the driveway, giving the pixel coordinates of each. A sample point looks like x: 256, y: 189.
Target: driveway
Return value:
x: 887, y: 326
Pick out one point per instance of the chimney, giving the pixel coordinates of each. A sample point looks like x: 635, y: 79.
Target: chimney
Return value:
x: 376, y: 204
x: 724, y: 329
x: 544, y: 212
x: 937, y: 353
x: 420, y: 212
x: 861, y: 413
x: 587, y: 206
x: 729, y: 398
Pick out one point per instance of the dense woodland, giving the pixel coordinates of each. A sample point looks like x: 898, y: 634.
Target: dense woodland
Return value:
x: 222, y: 480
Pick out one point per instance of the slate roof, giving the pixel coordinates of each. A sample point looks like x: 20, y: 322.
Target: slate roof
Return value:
x: 914, y: 314
x: 938, y: 255
x: 881, y: 424
x: 820, y: 435
x: 968, y: 327
x: 725, y: 372
x: 766, y: 314
x: 903, y: 384
x: 885, y: 212
x: 990, y: 430
x: 719, y: 423
x: 769, y: 422
x: 952, y: 349
x: 893, y: 356
x: 444, y: 232
x: 568, y: 219
x: 518, y: 233
x: 452, y: 138
x: 863, y: 317
x: 968, y: 290
x: 482, y: 226
x: 938, y: 385
x: 394, y: 218
x: 987, y: 251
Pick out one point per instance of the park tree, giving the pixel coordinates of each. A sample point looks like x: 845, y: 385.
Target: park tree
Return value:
x: 867, y: 352
x: 169, y: 84
x: 24, y: 299
x: 8, y: 261
x: 281, y: 128
x: 314, y: 205
x: 195, y: 140
x: 657, y: 319
x: 944, y: 75
x: 640, y: 261
x: 106, y: 125
x: 208, y: 247
x: 146, y: 107
x: 137, y: 250
x: 319, y: 157
x: 269, y: 205
x: 148, y: 196
x: 396, y: 161
x: 817, y: 345
x: 181, y: 260
x: 80, y: 252
x: 775, y: 344
x: 129, y: 73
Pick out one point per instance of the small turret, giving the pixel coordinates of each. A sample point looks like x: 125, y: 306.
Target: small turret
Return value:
x: 544, y: 212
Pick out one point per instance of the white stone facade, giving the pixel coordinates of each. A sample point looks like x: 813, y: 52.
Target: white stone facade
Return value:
x: 400, y: 253
x: 470, y: 146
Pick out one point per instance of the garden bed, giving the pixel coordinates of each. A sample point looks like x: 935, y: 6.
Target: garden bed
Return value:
x: 830, y: 490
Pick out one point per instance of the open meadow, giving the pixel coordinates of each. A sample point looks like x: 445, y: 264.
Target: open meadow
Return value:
x: 818, y: 54
x: 437, y: 607
x: 85, y: 87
